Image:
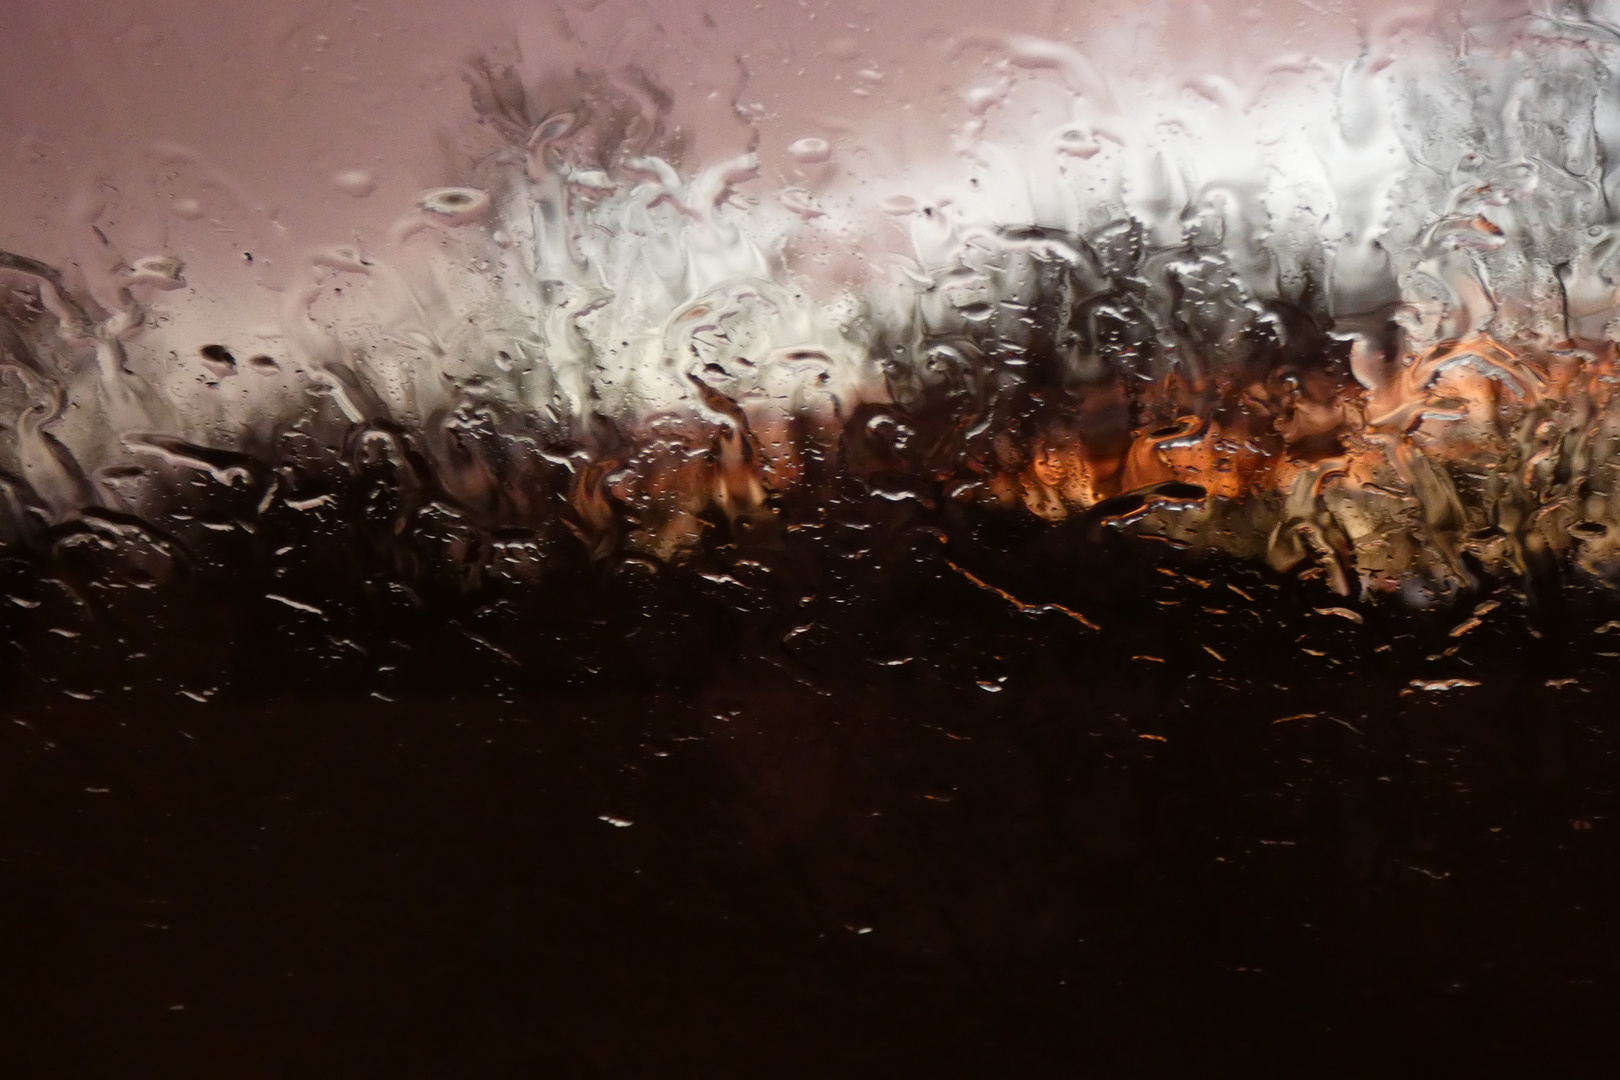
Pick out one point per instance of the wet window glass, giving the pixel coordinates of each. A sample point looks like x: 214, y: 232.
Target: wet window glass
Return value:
x: 809, y: 538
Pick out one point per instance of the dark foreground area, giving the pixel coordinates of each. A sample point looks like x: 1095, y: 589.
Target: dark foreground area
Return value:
x: 838, y: 809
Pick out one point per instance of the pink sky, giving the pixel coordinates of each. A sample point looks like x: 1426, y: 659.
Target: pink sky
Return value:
x: 275, y: 99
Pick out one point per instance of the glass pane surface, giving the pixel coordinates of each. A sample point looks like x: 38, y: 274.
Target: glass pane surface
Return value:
x: 809, y: 539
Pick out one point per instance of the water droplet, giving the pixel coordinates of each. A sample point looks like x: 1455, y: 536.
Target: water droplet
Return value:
x: 810, y: 150
x: 355, y: 182
x: 456, y: 206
